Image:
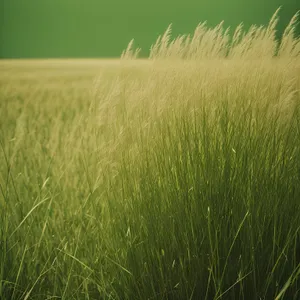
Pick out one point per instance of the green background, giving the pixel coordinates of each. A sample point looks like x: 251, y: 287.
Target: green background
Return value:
x: 103, y: 28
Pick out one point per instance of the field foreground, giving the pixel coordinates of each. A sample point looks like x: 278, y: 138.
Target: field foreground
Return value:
x: 150, y: 179
x: 133, y: 180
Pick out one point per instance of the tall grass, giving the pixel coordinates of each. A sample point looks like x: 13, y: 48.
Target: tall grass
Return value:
x: 259, y: 42
x: 177, y: 178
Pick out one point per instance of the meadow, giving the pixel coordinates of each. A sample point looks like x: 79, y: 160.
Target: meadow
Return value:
x: 173, y: 177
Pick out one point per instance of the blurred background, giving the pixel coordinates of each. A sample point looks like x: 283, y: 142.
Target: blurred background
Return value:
x: 103, y: 28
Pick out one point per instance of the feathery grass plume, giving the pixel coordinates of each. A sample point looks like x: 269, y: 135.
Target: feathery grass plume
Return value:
x: 136, y: 53
x: 164, y: 43
x: 271, y: 30
x: 295, y: 52
x: 176, y: 48
x: 128, y: 50
x: 220, y: 41
x: 171, y: 50
x: 263, y: 44
x: 179, y: 45
x: 288, y: 41
x: 130, y: 53
x: 195, y: 41
x: 246, y: 43
x: 241, y: 48
x: 226, y: 42
x: 185, y: 46
x: 235, y: 39
x: 155, y: 48
x: 259, y: 42
x: 207, y: 44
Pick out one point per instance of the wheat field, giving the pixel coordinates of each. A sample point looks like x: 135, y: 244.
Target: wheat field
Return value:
x: 172, y: 177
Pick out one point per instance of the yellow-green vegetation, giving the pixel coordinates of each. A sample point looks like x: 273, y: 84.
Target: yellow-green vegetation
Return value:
x: 176, y: 177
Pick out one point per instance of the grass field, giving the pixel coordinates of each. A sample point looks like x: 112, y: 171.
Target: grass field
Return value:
x: 176, y: 177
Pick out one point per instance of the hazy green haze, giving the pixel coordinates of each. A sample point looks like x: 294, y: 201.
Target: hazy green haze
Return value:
x: 98, y: 28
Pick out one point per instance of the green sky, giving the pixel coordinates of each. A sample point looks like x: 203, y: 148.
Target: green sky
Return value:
x: 103, y: 28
